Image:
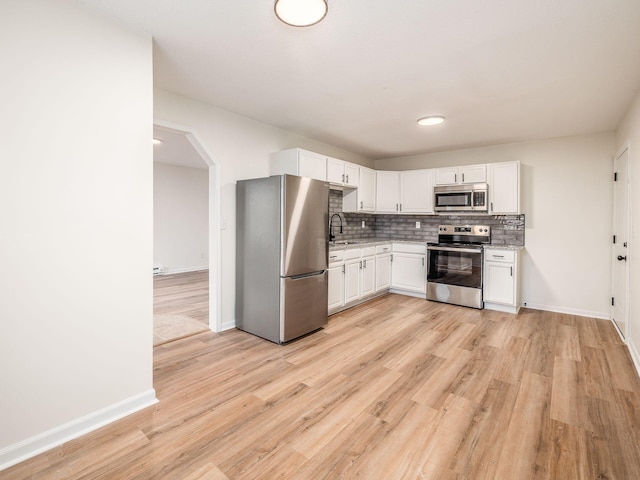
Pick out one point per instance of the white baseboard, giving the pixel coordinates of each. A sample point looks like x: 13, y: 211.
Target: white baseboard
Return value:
x: 408, y: 293
x: 570, y: 311
x: 501, y: 308
x: 44, y: 441
x: 634, y: 355
x: 169, y: 271
x: 228, y: 325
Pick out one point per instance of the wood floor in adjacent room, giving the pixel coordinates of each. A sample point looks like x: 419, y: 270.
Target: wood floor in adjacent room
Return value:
x: 397, y: 388
x: 182, y: 294
x: 180, y: 305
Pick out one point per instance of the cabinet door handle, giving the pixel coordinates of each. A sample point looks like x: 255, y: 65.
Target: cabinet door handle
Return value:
x: 396, y: 207
x: 400, y: 207
x: 343, y: 178
x: 360, y: 264
x: 463, y: 178
x: 492, y: 206
x: 498, y: 256
x: 347, y: 179
x: 423, y: 261
x: 455, y: 178
x: 343, y: 272
x: 511, y: 271
x: 365, y: 263
x: 361, y: 207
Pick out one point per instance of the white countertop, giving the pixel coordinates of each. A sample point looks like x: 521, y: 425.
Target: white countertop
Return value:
x: 503, y: 247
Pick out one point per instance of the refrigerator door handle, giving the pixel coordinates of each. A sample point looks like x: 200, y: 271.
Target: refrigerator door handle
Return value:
x: 305, y: 275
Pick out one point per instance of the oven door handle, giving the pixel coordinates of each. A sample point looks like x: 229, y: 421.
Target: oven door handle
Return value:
x: 455, y: 249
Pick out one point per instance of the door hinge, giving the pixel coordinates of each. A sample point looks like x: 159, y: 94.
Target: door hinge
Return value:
x: 615, y: 176
x: 613, y: 302
x: 614, y: 239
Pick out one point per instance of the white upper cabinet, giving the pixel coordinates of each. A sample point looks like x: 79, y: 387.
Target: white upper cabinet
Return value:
x: 504, y: 188
x: 296, y: 161
x: 388, y: 192
x: 362, y: 199
x: 416, y: 191
x: 460, y: 175
x: 411, y: 191
x: 404, y: 192
x: 342, y: 173
x: 473, y: 174
x: 367, y: 190
x: 446, y: 176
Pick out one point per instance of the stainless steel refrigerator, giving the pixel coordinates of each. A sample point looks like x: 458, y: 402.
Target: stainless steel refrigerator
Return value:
x: 281, y: 256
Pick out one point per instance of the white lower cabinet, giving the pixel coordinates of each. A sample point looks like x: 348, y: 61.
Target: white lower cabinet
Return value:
x: 351, y: 280
x: 408, y: 269
x: 501, y: 290
x: 383, y: 268
x: 336, y: 286
x: 358, y: 274
x: 368, y: 276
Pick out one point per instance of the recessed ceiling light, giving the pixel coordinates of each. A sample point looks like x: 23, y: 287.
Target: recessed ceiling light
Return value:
x: 431, y: 120
x: 157, y: 141
x: 301, y: 13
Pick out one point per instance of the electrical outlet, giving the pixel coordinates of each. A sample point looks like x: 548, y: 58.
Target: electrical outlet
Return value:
x: 417, y: 224
x: 362, y: 223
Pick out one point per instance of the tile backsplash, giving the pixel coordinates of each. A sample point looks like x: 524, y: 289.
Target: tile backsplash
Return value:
x: 505, y: 229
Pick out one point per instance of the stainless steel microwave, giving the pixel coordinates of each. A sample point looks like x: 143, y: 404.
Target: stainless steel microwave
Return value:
x: 461, y: 198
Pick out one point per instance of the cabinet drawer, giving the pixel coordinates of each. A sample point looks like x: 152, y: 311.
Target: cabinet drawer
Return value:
x: 368, y: 251
x: 336, y: 256
x: 409, y: 248
x: 500, y: 256
x: 352, y: 253
x: 383, y: 249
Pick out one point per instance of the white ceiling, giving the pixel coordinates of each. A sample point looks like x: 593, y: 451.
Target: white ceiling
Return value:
x: 500, y: 70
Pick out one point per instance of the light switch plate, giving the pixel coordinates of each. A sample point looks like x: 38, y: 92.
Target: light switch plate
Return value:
x: 417, y: 224
x: 362, y: 223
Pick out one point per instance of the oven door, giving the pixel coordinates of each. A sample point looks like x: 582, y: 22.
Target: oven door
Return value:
x: 458, y: 266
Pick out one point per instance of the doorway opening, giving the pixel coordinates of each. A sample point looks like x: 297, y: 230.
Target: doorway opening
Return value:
x: 186, y: 255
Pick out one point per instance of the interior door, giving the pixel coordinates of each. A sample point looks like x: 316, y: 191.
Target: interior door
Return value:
x: 620, y: 259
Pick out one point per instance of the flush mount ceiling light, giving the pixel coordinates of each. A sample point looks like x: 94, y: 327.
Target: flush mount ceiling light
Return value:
x: 431, y: 120
x: 301, y: 13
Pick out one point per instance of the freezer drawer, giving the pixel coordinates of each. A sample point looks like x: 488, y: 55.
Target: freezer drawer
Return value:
x: 304, y: 305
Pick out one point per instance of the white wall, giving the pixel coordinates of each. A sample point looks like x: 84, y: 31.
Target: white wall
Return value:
x: 180, y: 218
x: 76, y: 234
x: 240, y: 147
x: 629, y: 133
x: 567, y: 200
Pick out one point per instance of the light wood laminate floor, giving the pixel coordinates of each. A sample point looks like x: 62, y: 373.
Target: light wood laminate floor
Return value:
x: 397, y: 388
x: 182, y: 294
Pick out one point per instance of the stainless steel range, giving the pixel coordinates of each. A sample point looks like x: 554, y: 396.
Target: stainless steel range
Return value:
x: 454, y: 265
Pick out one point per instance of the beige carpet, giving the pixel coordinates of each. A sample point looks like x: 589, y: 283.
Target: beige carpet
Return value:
x: 167, y: 328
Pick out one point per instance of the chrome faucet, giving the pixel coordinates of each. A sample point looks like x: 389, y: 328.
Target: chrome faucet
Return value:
x: 332, y: 237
